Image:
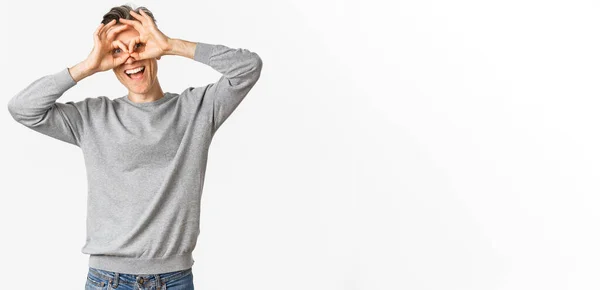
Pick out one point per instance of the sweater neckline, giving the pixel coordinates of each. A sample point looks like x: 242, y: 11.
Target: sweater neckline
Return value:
x: 164, y: 98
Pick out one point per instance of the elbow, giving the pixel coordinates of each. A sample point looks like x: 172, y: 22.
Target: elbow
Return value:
x: 23, y: 114
x: 257, y: 62
x: 13, y: 108
x: 256, y: 66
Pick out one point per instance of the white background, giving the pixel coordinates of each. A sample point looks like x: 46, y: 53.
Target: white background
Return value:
x: 387, y: 145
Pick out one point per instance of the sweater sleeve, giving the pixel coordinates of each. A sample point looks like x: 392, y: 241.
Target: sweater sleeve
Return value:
x: 240, y: 68
x: 36, y: 108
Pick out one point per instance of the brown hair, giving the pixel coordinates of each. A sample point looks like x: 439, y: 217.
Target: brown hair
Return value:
x: 123, y: 12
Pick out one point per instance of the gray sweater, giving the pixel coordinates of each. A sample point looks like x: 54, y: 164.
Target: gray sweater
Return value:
x: 145, y: 162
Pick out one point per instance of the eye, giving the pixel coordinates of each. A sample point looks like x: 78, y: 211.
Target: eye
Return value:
x: 138, y: 45
x: 116, y: 50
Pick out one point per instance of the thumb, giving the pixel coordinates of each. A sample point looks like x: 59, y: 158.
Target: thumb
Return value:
x: 137, y: 55
x: 121, y: 60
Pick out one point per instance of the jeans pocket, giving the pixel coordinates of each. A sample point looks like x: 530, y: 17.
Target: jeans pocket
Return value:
x: 181, y: 281
x: 95, y: 283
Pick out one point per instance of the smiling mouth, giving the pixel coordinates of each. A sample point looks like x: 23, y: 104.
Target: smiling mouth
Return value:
x: 136, y: 73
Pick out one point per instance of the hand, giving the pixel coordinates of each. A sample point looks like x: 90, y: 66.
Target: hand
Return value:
x: 156, y: 43
x: 102, y: 57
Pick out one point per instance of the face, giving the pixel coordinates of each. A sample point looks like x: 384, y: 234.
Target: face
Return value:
x: 138, y: 83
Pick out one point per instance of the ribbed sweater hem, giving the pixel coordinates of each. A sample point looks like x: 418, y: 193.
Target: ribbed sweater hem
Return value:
x: 126, y: 265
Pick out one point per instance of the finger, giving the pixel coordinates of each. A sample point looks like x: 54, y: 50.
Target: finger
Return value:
x: 113, y: 33
x: 132, y: 43
x: 98, y: 28
x: 146, y: 16
x: 97, y: 32
x: 121, y: 59
x: 106, y: 27
x: 137, y: 55
x: 121, y: 45
x: 136, y: 24
x: 137, y: 16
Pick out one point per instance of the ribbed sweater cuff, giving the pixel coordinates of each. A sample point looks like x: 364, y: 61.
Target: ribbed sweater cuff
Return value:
x: 63, y: 79
x: 203, y: 52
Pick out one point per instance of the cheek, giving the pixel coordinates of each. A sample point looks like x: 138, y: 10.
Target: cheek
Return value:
x: 152, y: 71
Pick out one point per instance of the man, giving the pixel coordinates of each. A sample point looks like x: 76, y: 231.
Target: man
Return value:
x: 145, y: 152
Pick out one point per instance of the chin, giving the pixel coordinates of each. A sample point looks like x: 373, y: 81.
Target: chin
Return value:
x: 138, y: 90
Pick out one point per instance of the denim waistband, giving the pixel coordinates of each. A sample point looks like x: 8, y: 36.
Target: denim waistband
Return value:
x: 115, y: 278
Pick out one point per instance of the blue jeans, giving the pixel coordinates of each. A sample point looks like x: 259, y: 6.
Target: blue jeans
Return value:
x: 105, y: 280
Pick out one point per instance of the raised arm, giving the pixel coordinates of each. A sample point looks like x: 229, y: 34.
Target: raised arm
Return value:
x: 240, y: 67
x: 36, y: 106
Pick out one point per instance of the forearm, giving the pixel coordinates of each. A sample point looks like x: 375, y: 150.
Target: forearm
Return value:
x: 80, y: 71
x: 181, y: 47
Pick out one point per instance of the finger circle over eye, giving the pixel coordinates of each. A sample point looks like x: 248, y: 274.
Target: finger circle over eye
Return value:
x: 133, y: 42
x: 120, y: 44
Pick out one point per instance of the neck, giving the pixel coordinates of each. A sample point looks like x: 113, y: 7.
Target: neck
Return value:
x: 151, y: 95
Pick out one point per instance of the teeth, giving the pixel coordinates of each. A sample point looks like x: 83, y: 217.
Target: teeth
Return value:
x: 132, y: 71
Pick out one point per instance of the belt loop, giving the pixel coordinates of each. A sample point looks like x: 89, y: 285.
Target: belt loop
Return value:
x: 115, y: 283
x: 158, y: 281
